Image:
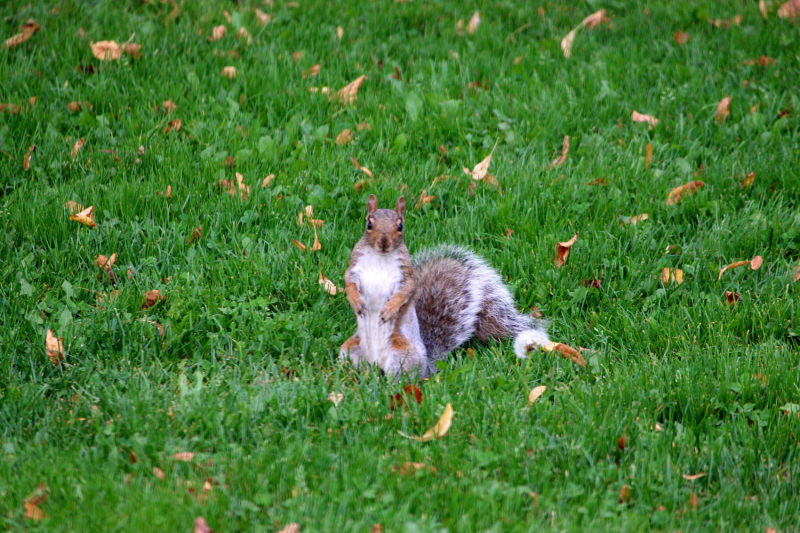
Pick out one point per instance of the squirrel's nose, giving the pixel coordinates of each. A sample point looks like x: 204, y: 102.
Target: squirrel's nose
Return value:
x: 384, y: 243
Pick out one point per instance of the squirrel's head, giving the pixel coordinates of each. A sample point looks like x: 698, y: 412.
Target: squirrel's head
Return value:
x: 384, y: 230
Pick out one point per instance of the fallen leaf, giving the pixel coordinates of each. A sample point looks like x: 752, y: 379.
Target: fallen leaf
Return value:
x: 438, y: 430
x: 262, y: 18
x: 674, y: 275
x: 718, y: 23
x: 423, y: 200
x: 106, y: 50
x: 151, y: 298
x: 409, y: 468
x: 398, y: 400
x: 218, y: 32
x: 174, y: 125
x: 77, y: 148
x: 9, y: 108
x: 722, y: 109
x: 169, y: 106
x: 591, y: 283
x: 648, y: 155
x: 105, y: 262
x: 747, y: 181
x: 335, y: 398
x: 297, y: 56
x: 158, y: 473
x: 356, y: 164
x: 267, y: 180
x: 184, y: 456
x: 535, y: 393
x: 634, y: 219
x: 232, y: 188
x: 481, y: 169
x: 339, y: 32
x: 308, y: 214
x: 564, y: 152
x: 509, y: 233
x: 693, y: 501
x: 196, y: 234
x: 169, y: 192
x: 54, y: 346
x: 74, y: 107
x: 227, y: 16
x: 622, y: 443
x: 28, y: 29
x: 229, y: 72
x: 562, y: 250
x: 327, y: 285
x: 291, y: 528
x: 200, y: 526
x: 566, y: 351
x: 763, y: 61
x: 302, y: 248
x: 315, y: 90
x: 796, y: 274
x: 474, y: 22
x: 311, y: 72
x: 624, y: 493
x: 344, y: 137
x: 132, y: 49
x: 754, y: 264
x: 592, y: 21
x: 638, y: 117
x: 598, y: 181
x: 26, y: 161
x: 732, y: 297
x: 349, y: 93
x: 243, y: 33
x: 85, y: 217
x: 762, y: 6
x: 680, y: 37
x: 677, y: 193
x: 362, y: 126
x: 459, y: 27
x: 317, y: 246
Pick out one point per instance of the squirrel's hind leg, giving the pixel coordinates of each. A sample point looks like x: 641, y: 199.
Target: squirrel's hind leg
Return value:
x: 406, y: 359
x: 351, y: 349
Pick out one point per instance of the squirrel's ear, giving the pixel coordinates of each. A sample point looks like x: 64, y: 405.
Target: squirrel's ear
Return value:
x: 372, y: 204
x: 400, y: 208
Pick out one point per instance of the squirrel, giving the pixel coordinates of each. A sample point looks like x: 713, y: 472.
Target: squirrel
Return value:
x: 412, y: 313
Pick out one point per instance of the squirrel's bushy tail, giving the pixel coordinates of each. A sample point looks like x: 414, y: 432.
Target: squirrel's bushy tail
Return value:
x: 529, y: 339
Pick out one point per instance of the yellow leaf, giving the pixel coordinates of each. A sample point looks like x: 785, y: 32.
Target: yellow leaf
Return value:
x: 85, y: 217
x: 267, y: 180
x: 438, y: 430
x: 54, y: 347
x: 316, y: 246
x: 535, y: 393
x: 299, y: 245
x: 327, y: 285
x: 481, y: 169
x: 671, y: 275
x: 694, y: 476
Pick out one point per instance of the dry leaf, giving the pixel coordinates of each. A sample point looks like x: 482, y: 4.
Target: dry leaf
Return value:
x: 474, y: 22
x: 754, y: 264
x: 174, y: 125
x: 218, y: 32
x: 693, y: 501
x: 339, y: 32
x: 398, y: 400
x: 622, y: 443
x: 634, y: 219
x: 732, y: 297
x: 595, y: 19
x: 229, y: 72
x: 747, y: 181
x: 301, y: 246
x: 77, y: 148
x: 85, y: 217
x: 796, y: 274
x: 562, y: 250
x: 598, y: 181
x: 316, y: 246
x: 564, y: 152
x: 335, y: 398
x: 517, y: 60
x: 677, y: 193
x: 196, y: 234
x: 638, y: 117
x: 349, y: 93
x: 32, y: 501
x: 26, y: 161
x: 267, y: 180
x: 106, y: 50
x: 735, y: 21
x: 438, y: 430
x: 363, y: 126
x: 28, y: 29
x: 169, y: 192
x: 624, y: 493
x: 244, y: 33
x: 535, y: 393
x: 54, y: 347
x: 592, y: 21
x: 158, y: 473
x: 459, y: 28
x: 327, y: 285
x: 262, y: 18
x: 762, y: 6
x: 291, y: 528
x: 231, y: 188
x: 311, y: 71
x: 722, y: 109
x: 423, y: 199
x: 297, y: 56
x: 680, y: 37
x: 169, y: 106
x: 694, y: 476
x: 406, y: 469
x: 105, y: 262
x: 74, y: 107
x: 674, y: 275
x: 566, y: 351
x: 480, y: 170
x: 200, y: 526
x: 308, y: 214
x: 648, y: 155
x: 184, y: 456
x: 344, y: 137
x: 132, y: 49
x: 151, y: 298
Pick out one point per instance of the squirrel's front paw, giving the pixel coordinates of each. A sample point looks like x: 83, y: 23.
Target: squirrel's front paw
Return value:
x: 387, y: 313
x: 358, y: 307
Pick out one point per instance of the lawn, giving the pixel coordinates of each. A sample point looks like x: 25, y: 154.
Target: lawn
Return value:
x: 687, y: 415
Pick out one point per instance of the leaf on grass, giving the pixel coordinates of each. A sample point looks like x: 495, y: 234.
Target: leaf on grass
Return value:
x: 747, y: 181
x: 622, y: 443
x: 158, y: 473
x: 638, y: 117
x: 481, y: 169
x: 474, y: 22
x: 423, y: 199
x: 693, y: 501
x: 723, y: 109
x: 517, y: 60
x: 535, y: 393
x: 438, y: 430
x: 562, y: 250
x: 624, y: 493
x: 356, y: 164
x: 361, y: 126
x: 232, y: 188
x: 169, y: 106
x: 75, y: 107
x: 566, y: 351
x: 151, y: 298
x: 648, y: 155
x: 718, y: 23
x: 229, y: 72
x: 409, y: 468
x: 26, y: 161
x: 598, y: 181
x: 169, y: 192
x: 796, y: 274
x: 262, y: 18
x: 184, y: 456
x: 291, y: 528
x: 85, y: 217
x: 311, y: 71
x: 677, y: 193
x: 267, y: 180
x: 54, y: 346
x: 754, y: 264
x: 28, y: 29
x: 692, y: 477
x: 218, y: 32
x: 564, y: 152
x: 344, y: 137
x: 132, y: 49
x: 732, y: 297
x: 32, y: 501
x: 339, y: 32
x: 77, y: 148
x: 634, y: 219
x: 106, y: 50
x: 762, y: 6
x: 297, y: 56
x: 300, y: 245
x: 592, y: 21
x: 317, y: 246
x: 105, y: 262
x: 308, y: 214
x: 349, y: 93
x: 174, y: 125
x: 196, y: 234
x: 201, y: 526
x: 327, y: 285
x: 671, y: 275
x: 243, y: 33
x: 681, y: 37
x: 398, y: 400
x: 335, y: 397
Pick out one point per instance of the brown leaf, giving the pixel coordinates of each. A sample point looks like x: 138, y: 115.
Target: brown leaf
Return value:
x: 378, y: 528
x: 105, y: 262
x: 754, y: 264
x: 680, y: 37
x: 409, y: 468
x: 634, y: 219
x: 200, y: 526
x: 592, y: 21
x: 74, y: 107
x: 648, y: 155
x: 747, y: 181
x: 85, y: 217
x: 106, y: 50
x: 732, y: 297
x: 509, y: 233
x: 28, y: 29
x: 762, y: 6
x: 218, y: 32
x: 33, y: 512
x: 763, y: 61
x: 566, y: 351
x: 77, y: 148
x: 169, y: 192
x: 474, y: 22
x: 362, y: 126
x: 562, y: 250
x: 480, y: 170
x: 132, y: 49
x: 335, y: 398
x: 262, y: 18
x: 398, y: 400
x: 622, y: 443
x: 438, y: 430
x: 598, y: 181
x: 196, y: 234
x: 564, y: 152
x: 339, y: 32
x: 267, y: 180
x: 311, y: 72
x: 291, y: 528
x: 591, y: 283
x: 302, y: 247
x: 517, y: 60
x: 327, y: 285
x: 344, y: 137
x: 638, y: 117
x: 624, y: 494
x: 677, y: 193
x: 423, y: 200
x: 535, y: 393
x: 717, y: 23
x: 243, y: 33
x: 674, y: 275
x: 796, y: 274
x: 349, y: 93
x: 229, y: 72
x: 316, y: 246
x: 26, y: 161
x: 297, y: 56
x: 54, y: 346
x: 722, y: 109
x: 10, y: 108
x: 595, y: 19
x: 169, y: 106
x: 151, y: 298
x: 174, y: 125
x: 186, y: 457
x: 158, y: 473
x: 693, y: 501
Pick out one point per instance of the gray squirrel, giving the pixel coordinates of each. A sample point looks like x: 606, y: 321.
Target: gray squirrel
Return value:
x: 412, y: 312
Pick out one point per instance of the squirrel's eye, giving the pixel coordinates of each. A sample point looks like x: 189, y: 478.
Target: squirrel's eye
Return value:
x: 400, y: 227
x: 369, y: 225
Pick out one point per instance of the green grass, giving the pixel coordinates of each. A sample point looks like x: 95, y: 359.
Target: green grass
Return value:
x: 248, y: 359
